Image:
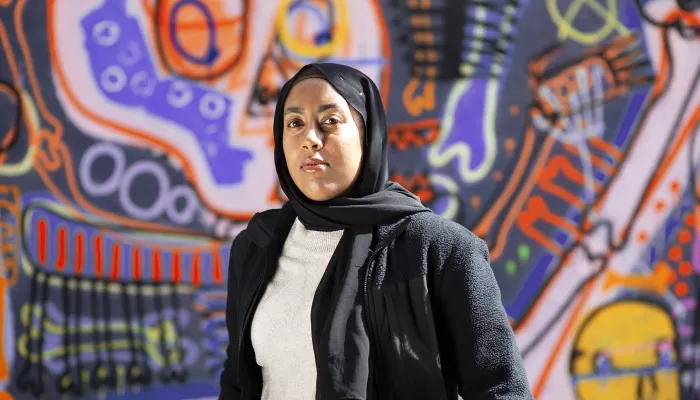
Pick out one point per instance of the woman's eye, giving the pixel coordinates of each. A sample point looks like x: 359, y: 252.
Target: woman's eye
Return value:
x: 332, y: 120
x: 293, y: 124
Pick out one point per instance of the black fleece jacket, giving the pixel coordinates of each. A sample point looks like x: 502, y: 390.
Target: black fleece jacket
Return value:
x: 431, y: 309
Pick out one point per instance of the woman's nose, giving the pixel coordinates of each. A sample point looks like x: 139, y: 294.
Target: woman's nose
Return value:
x: 312, y: 140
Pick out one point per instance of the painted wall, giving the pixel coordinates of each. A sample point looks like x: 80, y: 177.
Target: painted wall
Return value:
x: 136, y: 142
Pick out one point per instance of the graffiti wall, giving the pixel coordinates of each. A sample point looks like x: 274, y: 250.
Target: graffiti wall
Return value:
x: 136, y: 143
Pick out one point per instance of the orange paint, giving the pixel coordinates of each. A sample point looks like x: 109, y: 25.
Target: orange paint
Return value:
x: 659, y: 206
x: 675, y: 253
x: 4, y: 368
x: 509, y: 144
x: 690, y: 220
x: 685, y: 236
x: 682, y: 289
x: 685, y: 268
x: 218, y: 274
x: 642, y: 237
x: 675, y: 186
x: 476, y: 201
x: 537, y: 210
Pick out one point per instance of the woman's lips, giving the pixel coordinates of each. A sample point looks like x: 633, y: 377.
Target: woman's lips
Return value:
x: 314, y: 166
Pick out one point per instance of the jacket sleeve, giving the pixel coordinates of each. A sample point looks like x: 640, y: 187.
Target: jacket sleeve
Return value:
x: 474, y: 328
x: 230, y: 386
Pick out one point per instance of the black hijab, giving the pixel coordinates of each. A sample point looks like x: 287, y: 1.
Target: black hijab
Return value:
x: 373, y: 199
x: 337, y: 323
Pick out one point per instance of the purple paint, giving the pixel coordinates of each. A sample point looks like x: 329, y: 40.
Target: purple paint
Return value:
x: 696, y: 254
x: 125, y: 73
x: 689, y: 303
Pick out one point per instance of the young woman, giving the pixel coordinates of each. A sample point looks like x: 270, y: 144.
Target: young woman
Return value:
x: 353, y: 289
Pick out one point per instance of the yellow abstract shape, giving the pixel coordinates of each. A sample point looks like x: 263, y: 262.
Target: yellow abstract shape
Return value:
x: 626, y: 350
x: 338, y: 34
x: 658, y: 281
x: 568, y: 31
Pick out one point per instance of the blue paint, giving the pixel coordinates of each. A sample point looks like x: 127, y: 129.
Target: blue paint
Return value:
x: 212, y: 52
x: 202, y: 111
x: 530, y: 288
x: 636, y: 102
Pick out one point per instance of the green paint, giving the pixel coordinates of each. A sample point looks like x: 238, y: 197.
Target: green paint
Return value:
x: 524, y: 252
x: 510, y: 267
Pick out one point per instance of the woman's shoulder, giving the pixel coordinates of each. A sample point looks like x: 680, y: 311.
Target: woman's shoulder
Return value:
x: 431, y: 228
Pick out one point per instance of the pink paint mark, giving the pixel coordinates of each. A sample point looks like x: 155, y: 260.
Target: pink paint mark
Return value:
x: 696, y: 253
x: 689, y: 303
x: 685, y: 330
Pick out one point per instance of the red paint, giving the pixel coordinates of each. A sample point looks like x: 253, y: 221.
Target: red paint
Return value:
x: 97, y: 248
x: 155, y: 259
x: 136, y: 260
x: 41, y: 243
x: 79, y: 253
x: 177, y: 273
x: 196, y: 275
x: 218, y: 275
x: 116, y: 250
x: 61, y: 259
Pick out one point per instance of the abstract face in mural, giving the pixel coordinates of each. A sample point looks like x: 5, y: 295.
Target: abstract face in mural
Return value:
x: 321, y: 139
x: 198, y: 79
x: 626, y: 351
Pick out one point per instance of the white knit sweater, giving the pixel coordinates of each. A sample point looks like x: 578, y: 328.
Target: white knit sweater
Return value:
x: 281, y: 327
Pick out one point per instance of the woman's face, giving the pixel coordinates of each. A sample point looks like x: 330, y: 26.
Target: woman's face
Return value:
x: 321, y: 141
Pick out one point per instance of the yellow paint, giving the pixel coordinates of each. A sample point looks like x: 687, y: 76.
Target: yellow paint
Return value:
x: 629, y: 333
x: 568, y: 31
x: 150, y: 343
x: 338, y: 36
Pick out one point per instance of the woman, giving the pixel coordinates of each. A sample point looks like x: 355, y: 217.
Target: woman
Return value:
x: 353, y: 289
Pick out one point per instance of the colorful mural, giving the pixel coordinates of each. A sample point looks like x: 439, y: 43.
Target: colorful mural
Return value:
x: 136, y: 143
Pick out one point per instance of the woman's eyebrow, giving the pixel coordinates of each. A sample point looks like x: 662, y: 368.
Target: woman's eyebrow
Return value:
x: 290, y: 110
x: 327, y: 107
x: 300, y: 110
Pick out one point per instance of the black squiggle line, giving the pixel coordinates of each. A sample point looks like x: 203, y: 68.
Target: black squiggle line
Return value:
x: 686, y: 31
x: 76, y: 339
x: 26, y: 381
x: 132, y: 369
x: 66, y: 383
x: 180, y: 371
x: 167, y: 373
